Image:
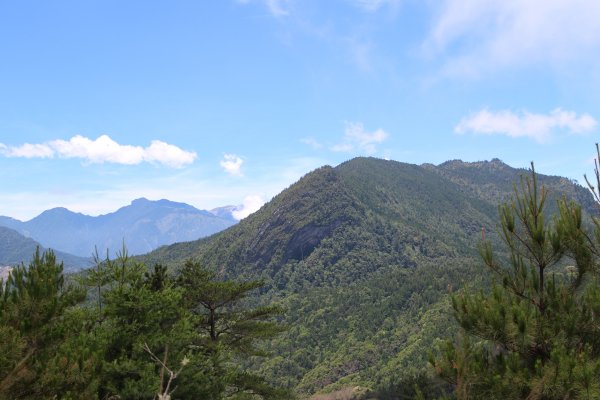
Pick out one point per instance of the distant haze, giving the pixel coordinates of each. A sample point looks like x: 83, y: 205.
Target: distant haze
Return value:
x: 142, y: 226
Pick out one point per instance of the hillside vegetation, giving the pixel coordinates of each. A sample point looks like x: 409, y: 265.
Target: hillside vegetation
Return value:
x: 362, y: 256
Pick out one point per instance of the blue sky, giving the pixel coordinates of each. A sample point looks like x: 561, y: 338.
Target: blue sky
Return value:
x: 230, y: 101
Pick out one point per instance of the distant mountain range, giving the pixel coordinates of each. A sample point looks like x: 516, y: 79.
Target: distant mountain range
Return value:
x: 16, y: 249
x: 143, y: 226
x: 362, y: 257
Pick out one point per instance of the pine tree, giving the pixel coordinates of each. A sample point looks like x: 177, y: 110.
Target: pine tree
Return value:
x: 33, y: 304
x: 139, y: 315
x: 535, y: 335
x: 143, y: 335
x: 230, y: 330
x: 158, y: 278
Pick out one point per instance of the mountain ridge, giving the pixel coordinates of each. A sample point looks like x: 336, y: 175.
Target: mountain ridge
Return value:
x: 16, y: 249
x: 367, y: 249
x: 143, y: 225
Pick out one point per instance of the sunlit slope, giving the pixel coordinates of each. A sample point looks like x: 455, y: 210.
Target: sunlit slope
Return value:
x: 363, y: 256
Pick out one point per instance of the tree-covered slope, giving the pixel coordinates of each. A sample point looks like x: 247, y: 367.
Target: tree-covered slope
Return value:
x: 362, y: 256
x: 16, y: 249
x: 494, y: 182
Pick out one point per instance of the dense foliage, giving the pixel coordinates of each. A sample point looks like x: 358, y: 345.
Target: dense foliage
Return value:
x: 362, y: 257
x: 535, y: 334
x: 34, y: 312
x: 144, y: 335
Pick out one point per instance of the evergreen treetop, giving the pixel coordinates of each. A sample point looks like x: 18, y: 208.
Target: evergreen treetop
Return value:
x: 534, y: 335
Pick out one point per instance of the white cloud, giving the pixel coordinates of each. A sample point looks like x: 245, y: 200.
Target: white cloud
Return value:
x: 103, y: 149
x: 356, y: 138
x: 232, y: 164
x: 168, y: 154
x: 478, y: 35
x: 27, y: 150
x: 525, y: 124
x: 252, y: 203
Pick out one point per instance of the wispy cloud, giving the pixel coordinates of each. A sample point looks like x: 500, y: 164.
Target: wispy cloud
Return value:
x: 375, y: 5
x: 312, y: 142
x: 103, y: 149
x: 277, y: 8
x: 361, y: 55
x: 251, y: 204
x: 357, y: 139
x: 475, y: 36
x: 232, y: 164
x: 539, y: 127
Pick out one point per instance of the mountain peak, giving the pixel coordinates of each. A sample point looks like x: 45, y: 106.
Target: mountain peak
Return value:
x: 143, y: 225
x: 495, y: 163
x: 144, y: 202
x: 141, y: 200
x: 59, y: 212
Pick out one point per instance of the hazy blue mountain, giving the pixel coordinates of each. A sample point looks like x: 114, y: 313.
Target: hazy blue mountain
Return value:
x: 144, y: 225
x: 362, y: 256
x: 225, y: 212
x: 16, y: 249
x: 9, y: 222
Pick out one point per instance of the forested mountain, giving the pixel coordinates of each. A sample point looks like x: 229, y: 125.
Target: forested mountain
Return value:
x: 362, y: 257
x: 494, y: 182
x: 144, y: 225
x: 16, y: 249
